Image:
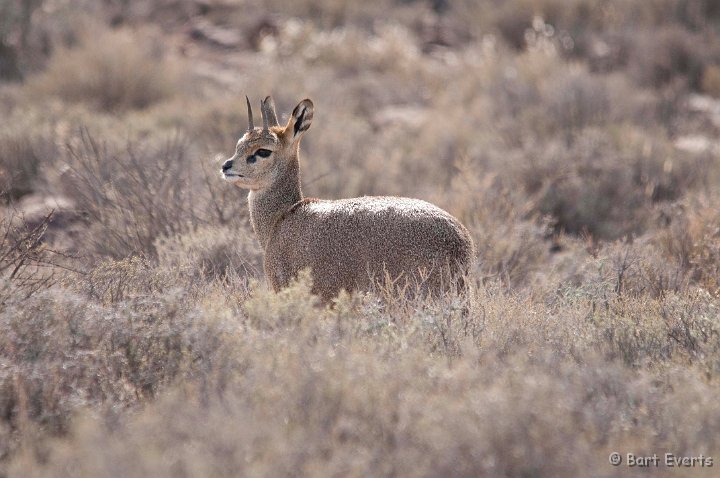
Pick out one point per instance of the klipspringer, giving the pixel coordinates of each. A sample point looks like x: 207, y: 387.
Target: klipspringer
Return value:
x: 348, y: 243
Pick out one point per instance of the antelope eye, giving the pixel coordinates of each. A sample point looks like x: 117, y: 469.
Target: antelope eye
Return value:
x: 263, y: 153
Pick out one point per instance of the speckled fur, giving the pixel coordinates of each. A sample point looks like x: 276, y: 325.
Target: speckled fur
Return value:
x: 347, y: 243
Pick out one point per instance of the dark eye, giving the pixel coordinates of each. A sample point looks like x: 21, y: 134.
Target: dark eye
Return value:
x: 251, y: 159
x: 263, y: 153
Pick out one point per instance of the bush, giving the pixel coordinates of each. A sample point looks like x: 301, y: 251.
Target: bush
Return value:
x: 711, y: 81
x: 574, y: 101
x: 593, y: 320
x: 580, y: 187
x: 133, y: 196
x: 64, y: 352
x: 26, y: 266
x: 212, y: 253
x: 15, y: 26
x: 662, y: 56
x: 337, y: 393
x: 693, y: 241
x: 110, y: 70
x: 23, y: 153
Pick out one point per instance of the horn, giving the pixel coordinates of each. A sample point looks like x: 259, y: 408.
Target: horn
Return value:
x: 270, y: 111
x: 264, y: 113
x: 250, y: 119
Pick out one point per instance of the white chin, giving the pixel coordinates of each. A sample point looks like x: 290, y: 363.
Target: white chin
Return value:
x: 233, y: 178
x: 238, y: 181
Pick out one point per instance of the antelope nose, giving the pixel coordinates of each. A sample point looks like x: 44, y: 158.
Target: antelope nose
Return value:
x: 227, y: 165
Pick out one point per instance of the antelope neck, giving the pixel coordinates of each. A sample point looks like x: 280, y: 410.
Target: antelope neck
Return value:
x: 267, y: 206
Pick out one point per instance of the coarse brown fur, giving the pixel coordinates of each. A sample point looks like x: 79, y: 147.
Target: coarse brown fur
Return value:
x: 348, y: 244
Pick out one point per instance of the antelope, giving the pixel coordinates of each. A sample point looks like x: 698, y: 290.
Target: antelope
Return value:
x: 348, y: 244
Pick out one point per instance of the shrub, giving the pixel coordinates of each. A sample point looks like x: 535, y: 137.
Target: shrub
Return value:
x: 674, y: 328
x: 64, y: 352
x: 133, y: 196
x: 581, y: 186
x: 212, y: 253
x: 574, y: 101
x: 301, y: 403
x: 711, y: 80
x: 112, y: 281
x: 660, y: 57
x: 15, y: 28
x: 593, y: 323
x: 693, y: 241
x: 289, y: 308
x: 110, y: 70
x: 23, y: 153
x: 26, y: 266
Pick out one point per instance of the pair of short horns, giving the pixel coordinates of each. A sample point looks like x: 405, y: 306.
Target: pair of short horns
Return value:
x: 267, y: 109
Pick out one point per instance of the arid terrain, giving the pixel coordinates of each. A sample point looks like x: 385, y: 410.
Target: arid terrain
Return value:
x: 577, y: 140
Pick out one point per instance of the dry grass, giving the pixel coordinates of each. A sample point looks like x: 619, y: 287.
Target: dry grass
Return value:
x: 553, y: 130
x: 525, y: 389
x: 111, y: 70
x: 26, y: 265
x: 134, y: 194
x: 24, y: 150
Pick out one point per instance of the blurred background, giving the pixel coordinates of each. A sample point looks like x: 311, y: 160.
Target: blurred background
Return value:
x: 583, y: 117
x: 577, y: 139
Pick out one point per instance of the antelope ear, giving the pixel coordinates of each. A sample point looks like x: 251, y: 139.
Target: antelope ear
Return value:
x: 300, y: 120
x: 269, y: 107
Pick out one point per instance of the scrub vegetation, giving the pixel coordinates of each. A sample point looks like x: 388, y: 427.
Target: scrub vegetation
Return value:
x: 576, y: 140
